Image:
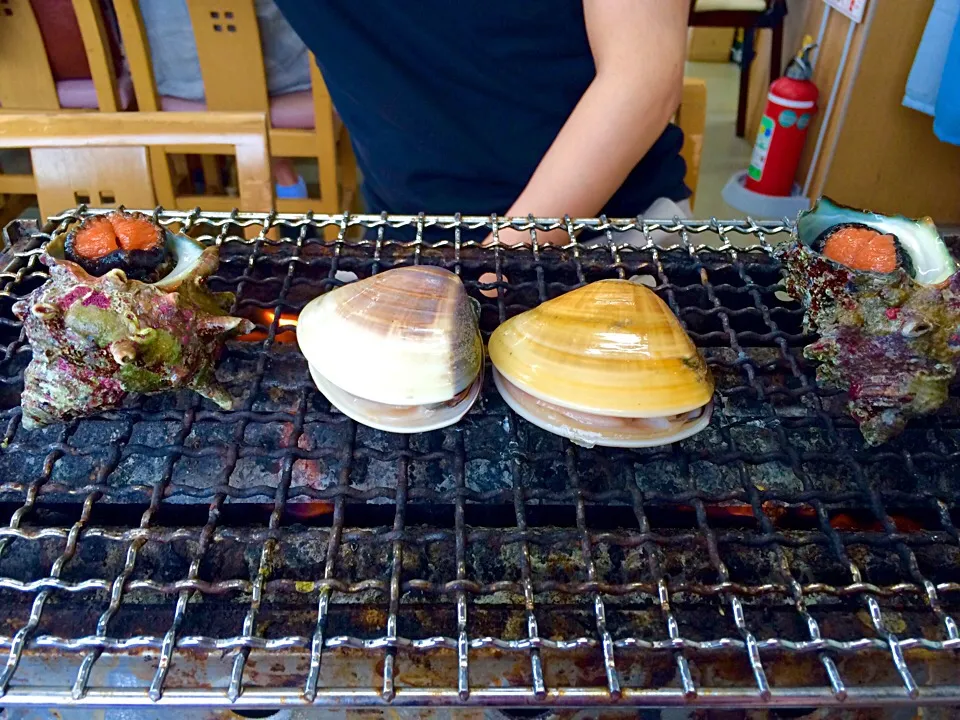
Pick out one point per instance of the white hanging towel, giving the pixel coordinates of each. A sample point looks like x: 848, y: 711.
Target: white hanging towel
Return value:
x: 923, y: 84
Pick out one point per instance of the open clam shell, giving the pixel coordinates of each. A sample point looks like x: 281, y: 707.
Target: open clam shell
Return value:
x: 607, y: 364
x: 403, y: 339
x: 589, y: 429
x: 399, y: 418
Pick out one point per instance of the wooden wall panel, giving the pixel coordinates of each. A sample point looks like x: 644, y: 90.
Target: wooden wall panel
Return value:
x: 887, y: 157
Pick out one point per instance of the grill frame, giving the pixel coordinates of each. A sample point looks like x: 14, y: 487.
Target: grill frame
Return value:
x: 612, y: 259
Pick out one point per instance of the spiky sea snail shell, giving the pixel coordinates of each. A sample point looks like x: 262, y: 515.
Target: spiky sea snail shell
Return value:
x: 606, y: 364
x: 883, y: 293
x: 399, y: 351
x: 98, y: 337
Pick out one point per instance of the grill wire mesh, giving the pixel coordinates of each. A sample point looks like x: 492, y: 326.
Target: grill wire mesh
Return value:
x: 170, y: 552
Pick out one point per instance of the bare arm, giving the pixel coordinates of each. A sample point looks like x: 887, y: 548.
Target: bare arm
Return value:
x: 638, y: 47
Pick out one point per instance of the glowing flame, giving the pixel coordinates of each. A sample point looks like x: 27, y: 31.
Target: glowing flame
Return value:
x: 286, y: 326
x: 309, y: 510
x: 846, y: 522
x: 286, y: 319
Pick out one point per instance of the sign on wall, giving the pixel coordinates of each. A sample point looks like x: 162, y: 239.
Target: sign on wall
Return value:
x: 853, y: 9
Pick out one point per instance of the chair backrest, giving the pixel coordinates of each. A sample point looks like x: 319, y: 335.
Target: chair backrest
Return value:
x: 97, y: 42
x: 231, y: 55
x: 234, y: 78
x: 26, y: 78
x: 692, y: 119
x: 102, y: 157
x: 26, y: 81
x: 228, y: 47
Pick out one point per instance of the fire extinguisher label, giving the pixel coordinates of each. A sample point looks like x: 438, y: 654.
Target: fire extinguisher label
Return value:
x: 762, y: 147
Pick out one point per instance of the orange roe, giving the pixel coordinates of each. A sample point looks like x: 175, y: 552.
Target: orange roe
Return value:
x: 103, y: 235
x: 96, y: 240
x: 861, y: 248
x: 134, y: 233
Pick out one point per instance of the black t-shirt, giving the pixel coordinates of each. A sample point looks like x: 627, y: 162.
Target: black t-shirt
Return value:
x: 451, y: 104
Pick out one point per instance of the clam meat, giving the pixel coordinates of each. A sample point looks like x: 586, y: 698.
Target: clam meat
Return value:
x: 606, y: 364
x: 399, y: 351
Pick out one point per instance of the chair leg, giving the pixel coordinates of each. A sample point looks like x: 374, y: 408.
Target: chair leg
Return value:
x: 776, y: 52
x: 212, y: 184
x: 12, y: 206
x: 746, y: 61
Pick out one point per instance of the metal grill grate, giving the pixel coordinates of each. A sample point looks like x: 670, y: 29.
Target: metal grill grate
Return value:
x: 173, y: 553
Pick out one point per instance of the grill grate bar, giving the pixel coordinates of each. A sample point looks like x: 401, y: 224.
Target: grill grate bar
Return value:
x: 19, y: 641
x: 721, y: 646
x: 119, y: 584
x: 317, y: 643
x: 713, y: 552
x: 533, y: 633
x: 463, y: 639
x: 213, y: 515
x: 599, y: 610
x: 876, y: 617
x: 283, y: 486
x: 396, y: 570
x: 458, y: 468
x: 336, y: 529
x: 662, y: 595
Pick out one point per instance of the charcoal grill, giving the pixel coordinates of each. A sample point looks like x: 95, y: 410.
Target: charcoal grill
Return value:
x: 170, y: 553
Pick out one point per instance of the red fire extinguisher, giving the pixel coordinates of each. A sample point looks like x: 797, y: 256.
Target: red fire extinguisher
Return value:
x: 791, y: 104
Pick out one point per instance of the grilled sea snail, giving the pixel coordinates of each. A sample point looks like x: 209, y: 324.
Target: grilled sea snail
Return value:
x: 606, y: 364
x: 883, y: 293
x: 399, y: 351
x: 98, y: 334
x: 120, y: 240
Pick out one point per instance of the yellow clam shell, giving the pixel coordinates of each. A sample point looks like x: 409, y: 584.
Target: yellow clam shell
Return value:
x: 611, y: 348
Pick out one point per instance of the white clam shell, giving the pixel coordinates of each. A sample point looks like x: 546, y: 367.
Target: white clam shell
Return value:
x: 405, y: 337
x: 397, y: 418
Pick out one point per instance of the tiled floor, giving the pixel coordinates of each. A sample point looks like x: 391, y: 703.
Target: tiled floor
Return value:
x: 723, y: 152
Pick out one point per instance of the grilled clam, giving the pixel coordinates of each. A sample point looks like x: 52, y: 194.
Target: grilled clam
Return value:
x: 606, y: 364
x: 399, y: 351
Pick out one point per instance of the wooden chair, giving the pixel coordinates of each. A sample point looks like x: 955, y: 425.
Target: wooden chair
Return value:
x: 102, y: 159
x: 27, y: 83
x: 750, y: 15
x: 231, y: 63
x: 691, y: 117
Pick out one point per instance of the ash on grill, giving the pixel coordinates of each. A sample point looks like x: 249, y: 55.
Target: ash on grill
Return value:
x: 172, y: 552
